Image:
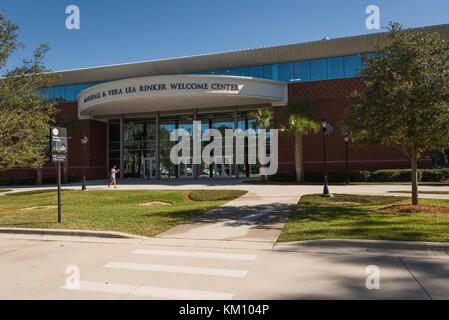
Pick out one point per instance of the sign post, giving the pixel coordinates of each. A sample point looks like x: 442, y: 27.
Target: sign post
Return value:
x: 59, y: 150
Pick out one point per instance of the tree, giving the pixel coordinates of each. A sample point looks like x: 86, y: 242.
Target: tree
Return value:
x: 25, y: 112
x: 299, y: 112
x: 406, y: 100
x: 262, y: 119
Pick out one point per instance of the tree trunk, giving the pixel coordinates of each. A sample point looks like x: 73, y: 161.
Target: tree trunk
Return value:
x: 414, y: 166
x: 39, y: 176
x: 299, y: 159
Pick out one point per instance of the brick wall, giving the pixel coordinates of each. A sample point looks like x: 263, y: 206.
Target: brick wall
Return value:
x: 96, y: 149
x: 332, y: 97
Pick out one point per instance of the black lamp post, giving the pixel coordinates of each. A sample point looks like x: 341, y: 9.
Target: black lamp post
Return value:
x: 84, y: 141
x: 324, y: 128
x: 345, y: 132
x: 346, y: 136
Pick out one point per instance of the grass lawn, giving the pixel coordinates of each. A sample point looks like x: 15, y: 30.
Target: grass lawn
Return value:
x: 367, y: 217
x: 4, y: 190
x: 110, y: 210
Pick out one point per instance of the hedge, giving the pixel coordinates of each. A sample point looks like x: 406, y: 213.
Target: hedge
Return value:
x: 394, y: 175
x: 22, y: 181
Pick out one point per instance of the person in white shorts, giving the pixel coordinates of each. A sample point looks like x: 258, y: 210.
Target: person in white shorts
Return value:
x: 112, y: 176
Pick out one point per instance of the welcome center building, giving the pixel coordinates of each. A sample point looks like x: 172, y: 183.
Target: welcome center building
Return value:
x: 128, y: 111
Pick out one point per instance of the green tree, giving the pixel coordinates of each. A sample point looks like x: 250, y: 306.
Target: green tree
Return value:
x: 406, y: 100
x: 25, y: 113
x: 262, y: 119
x: 300, y: 112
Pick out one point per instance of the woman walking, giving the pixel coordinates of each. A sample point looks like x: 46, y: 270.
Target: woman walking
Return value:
x: 112, y: 178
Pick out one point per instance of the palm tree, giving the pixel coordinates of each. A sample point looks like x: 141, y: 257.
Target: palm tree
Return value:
x: 262, y: 119
x: 299, y: 124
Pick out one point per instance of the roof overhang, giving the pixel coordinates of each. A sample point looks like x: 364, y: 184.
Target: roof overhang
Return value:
x: 178, y: 92
x: 233, y: 59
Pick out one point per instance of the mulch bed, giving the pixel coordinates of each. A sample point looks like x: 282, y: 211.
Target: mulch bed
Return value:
x: 420, y: 208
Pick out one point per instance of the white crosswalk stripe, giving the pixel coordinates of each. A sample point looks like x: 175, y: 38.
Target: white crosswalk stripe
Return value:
x: 178, y: 269
x: 124, y: 289
x: 195, y: 254
x: 152, y: 292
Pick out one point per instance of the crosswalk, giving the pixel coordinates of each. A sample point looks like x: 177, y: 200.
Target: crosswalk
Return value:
x: 167, y: 268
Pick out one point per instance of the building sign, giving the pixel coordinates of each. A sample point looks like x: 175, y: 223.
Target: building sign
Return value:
x: 58, y: 158
x: 158, y: 93
x: 164, y: 86
x: 58, y: 144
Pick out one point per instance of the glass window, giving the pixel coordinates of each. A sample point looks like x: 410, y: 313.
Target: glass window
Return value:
x: 268, y: 71
x: 242, y: 72
x: 70, y: 93
x: 318, y: 69
x: 352, y: 65
x: 50, y: 93
x: 59, y: 92
x: 286, y: 72
x: 228, y: 72
x: 302, y: 71
x: 78, y: 89
x: 256, y: 72
x: 275, y: 70
x: 335, y: 68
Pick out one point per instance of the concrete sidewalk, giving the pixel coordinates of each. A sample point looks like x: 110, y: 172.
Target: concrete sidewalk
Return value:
x: 260, y: 215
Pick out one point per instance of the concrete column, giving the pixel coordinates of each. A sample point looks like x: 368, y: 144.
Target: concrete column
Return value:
x: 236, y: 126
x: 158, y: 160
x: 247, y: 169
x: 122, y: 146
x: 195, y: 166
x: 107, y: 149
x: 211, y: 166
x: 177, y: 166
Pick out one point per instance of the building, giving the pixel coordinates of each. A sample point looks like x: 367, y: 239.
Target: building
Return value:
x: 127, y: 111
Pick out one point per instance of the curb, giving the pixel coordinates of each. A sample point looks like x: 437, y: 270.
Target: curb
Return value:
x: 75, y: 233
x: 337, y: 245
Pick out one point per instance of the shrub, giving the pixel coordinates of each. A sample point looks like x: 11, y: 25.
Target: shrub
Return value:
x: 21, y: 181
x: 393, y: 175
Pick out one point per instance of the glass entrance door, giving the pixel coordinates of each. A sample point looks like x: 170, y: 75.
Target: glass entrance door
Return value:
x: 149, y: 168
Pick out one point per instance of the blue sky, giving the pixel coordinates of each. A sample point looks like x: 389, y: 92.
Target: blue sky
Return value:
x: 114, y: 32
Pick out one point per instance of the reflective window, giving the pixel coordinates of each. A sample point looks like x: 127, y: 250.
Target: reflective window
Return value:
x: 286, y: 72
x: 243, y: 72
x: 268, y: 71
x: 70, y: 93
x: 318, y: 69
x: 229, y: 72
x: 50, y: 93
x: 335, y: 68
x: 59, y: 93
x: 275, y: 70
x: 256, y: 72
x: 352, y: 65
x: 302, y: 71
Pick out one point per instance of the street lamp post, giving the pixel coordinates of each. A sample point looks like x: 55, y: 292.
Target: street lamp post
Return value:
x: 346, y: 136
x: 324, y: 128
x: 84, y: 141
x: 345, y: 132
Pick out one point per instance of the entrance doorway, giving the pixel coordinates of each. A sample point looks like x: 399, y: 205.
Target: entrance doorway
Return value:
x: 221, y: 168
x: 149, y: 168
